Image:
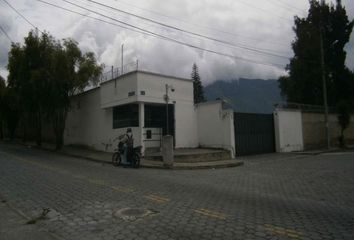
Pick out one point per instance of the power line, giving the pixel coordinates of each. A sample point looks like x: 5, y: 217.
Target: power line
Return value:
x: 262, y: 51
x: 3, y: 30
x: 262, y: 9
x: 98, y: 19
x: 287, y: 5
x: 146, y: 32
x: 130, y: 25
x: 200, y: 26
x: 21, y: 15
x: 282, y: 5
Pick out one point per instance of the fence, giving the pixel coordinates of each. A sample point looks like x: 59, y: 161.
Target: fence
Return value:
x: 116, y: 72
x: 304, y: 107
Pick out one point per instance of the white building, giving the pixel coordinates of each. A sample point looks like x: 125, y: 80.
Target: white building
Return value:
x: 137, y: 100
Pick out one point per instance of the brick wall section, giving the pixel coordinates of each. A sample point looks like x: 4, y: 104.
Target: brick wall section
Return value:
x: 314, y: 131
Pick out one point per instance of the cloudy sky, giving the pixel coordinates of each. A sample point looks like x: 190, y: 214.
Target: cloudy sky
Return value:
x: 256, y: 33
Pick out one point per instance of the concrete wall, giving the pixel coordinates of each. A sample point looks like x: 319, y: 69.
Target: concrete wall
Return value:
x: 90, y: 125
x: 115, y: 92
x: 154, y: 87
x: 288, y: 130
x: 216, y: 126
x: 297, y: 131
x: 90, y: 121
x: 314, y: 130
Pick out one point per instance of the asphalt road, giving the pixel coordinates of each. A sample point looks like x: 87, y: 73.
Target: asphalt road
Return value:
x: 277, y: 196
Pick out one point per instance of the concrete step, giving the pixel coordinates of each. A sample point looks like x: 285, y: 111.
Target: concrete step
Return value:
x: 193, y: 156
x: 193, y: 166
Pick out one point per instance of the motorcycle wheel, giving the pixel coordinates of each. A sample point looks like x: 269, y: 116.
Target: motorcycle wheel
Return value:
x: 116, y: 159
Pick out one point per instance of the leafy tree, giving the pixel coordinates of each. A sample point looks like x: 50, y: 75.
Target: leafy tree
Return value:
x: 10, y: 111
x: 71, y: 71
x: 304, y: 83
x: 2, y: 106
x: 28, y: 77
x: 44, y: 73
x: 197, y: 85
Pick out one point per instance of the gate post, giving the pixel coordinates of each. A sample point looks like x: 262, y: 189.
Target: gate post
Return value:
x: 167, y: 151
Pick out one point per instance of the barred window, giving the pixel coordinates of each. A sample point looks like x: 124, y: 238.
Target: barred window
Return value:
x: 126, y: 116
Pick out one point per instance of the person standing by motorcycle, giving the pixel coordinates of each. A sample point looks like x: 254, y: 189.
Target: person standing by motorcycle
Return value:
x: 128, y: 143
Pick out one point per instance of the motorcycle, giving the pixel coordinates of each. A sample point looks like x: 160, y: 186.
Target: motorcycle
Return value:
x: 133, y: 159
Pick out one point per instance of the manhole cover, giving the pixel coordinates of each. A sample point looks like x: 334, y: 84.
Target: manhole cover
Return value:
x: 132, y: 214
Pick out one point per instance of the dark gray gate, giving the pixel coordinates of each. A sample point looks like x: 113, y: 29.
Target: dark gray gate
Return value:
x: 254, y: 133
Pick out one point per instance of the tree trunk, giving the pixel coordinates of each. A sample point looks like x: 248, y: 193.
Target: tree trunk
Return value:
x: 342, y: 140
x: 39, y: 129
x: 59, y: 127
x: 1, y: 130
x: 24, y: 122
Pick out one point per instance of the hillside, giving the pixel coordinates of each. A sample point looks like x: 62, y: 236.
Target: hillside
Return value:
x: 246, y: 95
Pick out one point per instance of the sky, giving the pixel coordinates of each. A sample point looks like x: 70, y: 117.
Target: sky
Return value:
x: 254, y: 37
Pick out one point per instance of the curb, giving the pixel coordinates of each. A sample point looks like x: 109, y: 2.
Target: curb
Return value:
x: 200, y: 167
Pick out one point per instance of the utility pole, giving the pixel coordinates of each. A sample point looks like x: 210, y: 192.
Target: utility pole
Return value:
x: 122, y: 59
x: 167, y: 99
x: 324, y: 85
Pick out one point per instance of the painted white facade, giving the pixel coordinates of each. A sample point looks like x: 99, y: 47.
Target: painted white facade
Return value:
x: 90, y: 125
x: 90, y: 122
x: 288, y: 130
x: 216, y: 126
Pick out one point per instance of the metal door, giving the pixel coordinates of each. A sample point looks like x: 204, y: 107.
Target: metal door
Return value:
x: 254, y: 133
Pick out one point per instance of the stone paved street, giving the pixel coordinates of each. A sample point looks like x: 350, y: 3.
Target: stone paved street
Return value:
x: 273, y: 196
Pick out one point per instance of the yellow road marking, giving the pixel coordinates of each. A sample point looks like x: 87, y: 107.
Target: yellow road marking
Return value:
x: 96, y: 181
x: 210, y: 213
x: 78, y: 176
x: 156, y: 198
x: 282, y: 231
x: 122, y: 189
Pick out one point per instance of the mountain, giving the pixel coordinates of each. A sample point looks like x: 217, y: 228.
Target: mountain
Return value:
x: 246, y: 95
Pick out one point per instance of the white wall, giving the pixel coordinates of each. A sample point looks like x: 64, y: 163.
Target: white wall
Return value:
x: 288, y: 130
x: 216, y: 126
x: 186, y: 126
x: 90, y: 125
x: 115, y: 92
x: 154, y: 86
x: 90, y: 122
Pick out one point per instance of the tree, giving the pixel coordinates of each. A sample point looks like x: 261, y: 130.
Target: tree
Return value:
x: 304, y: 82
x: 44, y: 73
x: 10, y: 110
x: 198, y: 90
x: 28, y: 77
x: 2, y: 106
x: 71, y: 71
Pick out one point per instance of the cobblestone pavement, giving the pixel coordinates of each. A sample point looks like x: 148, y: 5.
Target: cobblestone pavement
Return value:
x: 270, y: 197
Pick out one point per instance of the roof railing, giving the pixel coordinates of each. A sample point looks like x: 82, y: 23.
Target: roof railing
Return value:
x: 119, y: 71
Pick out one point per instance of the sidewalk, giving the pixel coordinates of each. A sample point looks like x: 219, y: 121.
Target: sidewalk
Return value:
x: 13, y: 226
x: 325, y: 150
x: 104, y: 157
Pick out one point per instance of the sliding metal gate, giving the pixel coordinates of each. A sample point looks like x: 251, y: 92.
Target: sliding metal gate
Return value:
x: 254, y: 133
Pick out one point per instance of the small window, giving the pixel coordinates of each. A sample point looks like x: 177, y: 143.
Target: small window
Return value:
x: 126, y: 116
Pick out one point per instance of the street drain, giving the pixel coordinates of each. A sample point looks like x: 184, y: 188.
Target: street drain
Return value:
x: 133, y: 214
